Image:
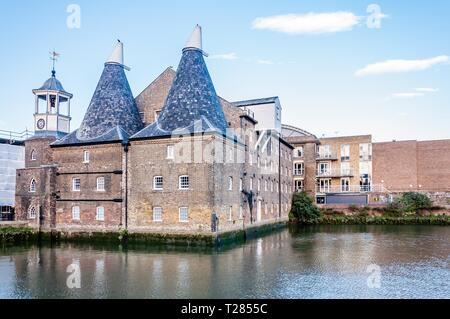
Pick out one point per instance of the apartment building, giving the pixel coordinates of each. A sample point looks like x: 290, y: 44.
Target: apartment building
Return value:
x: 334, y: 170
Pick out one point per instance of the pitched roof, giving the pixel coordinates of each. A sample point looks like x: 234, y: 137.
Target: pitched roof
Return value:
x: 192, y: 105
x: 53, y: 84
x: 112, y: 114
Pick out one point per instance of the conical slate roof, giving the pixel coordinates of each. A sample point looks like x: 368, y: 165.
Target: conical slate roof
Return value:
x: 192, y: 105
x: 112, y: 114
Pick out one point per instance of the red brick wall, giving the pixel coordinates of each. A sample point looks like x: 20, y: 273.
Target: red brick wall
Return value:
x: 433, y: 164
x: 395, y: 163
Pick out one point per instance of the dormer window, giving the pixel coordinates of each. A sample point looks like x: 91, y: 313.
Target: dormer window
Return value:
x: 86, y: 157
x: 33, y: 155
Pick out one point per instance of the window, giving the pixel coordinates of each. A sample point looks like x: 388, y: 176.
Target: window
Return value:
x: 250, y: 158
x: 33, y: 186
x: 230, y: 214
x: 365, y: 152
x: 170, y: 152
x: 32, y: 212
x: 184, y: 214
x: 324, y: 185
x: 86, y: 157
x: 299, y: 185
x: 299, y: 169
x: 345, y: 152
x: 345, y: 185
x: 345, y: 169
x: 271, y: 186
x: 324, y: 151
x: 100, y: 213
x: 76, y: 212
x: 259, y: 185
x: 76, y: 185
x: 158, y: 183
x: 324, y: 169
x: 266, y: 186
x: 299, y: 151
x: 33, y: 155
x: 157, y: 114
x: 251, y: 184
x: 241, y: 182
x: 157, y: 214
x: 100, y: 184
x: 183, y: 182
x: 230, y: 183
x: 241, y: 213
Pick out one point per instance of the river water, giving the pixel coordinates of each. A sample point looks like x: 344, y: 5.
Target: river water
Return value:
x: 310, y: 262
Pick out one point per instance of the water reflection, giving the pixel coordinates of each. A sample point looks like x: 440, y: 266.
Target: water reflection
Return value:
x: 309, y: 262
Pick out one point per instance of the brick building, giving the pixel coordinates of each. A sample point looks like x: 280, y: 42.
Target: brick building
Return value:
x: 177, y: 158
x: 413, y: 165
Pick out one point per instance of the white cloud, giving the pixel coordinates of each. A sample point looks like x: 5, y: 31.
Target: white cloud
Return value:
x: 225, y: 56
x: 311, y: 23
x: 267, y: 62
x: 397, y: 66
x: 427, y: 90
x: 408, y: 95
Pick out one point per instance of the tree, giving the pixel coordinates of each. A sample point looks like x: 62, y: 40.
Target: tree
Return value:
x: 303, y: 208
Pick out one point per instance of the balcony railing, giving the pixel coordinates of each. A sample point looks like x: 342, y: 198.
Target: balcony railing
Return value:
x: 351, y: 189
x: 248, y: 112
x: 299, y: 172
x: 326, y: 156
x: 335, y: 173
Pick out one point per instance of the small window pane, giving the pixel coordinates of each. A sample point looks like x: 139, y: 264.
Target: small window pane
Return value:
x: 184, y: 182
x: 184, y: 214
x: 158, y: 183
x: 170, y: 152
x: 101, y: 184
x: 76, y: 184
x: 100, y: 213
x: 157, y: 214
x: 76, y: 213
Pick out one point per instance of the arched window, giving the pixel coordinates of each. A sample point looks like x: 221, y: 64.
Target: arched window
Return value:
x: 33, y: 186
x: 33, y: 155
x: 32, y: 212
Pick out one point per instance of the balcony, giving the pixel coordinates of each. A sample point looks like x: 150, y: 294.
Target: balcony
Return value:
x: 249, y: 113
x: 351, y: 189
x: 299, y: 172
x: 326, y: 156
x: 335, y: 173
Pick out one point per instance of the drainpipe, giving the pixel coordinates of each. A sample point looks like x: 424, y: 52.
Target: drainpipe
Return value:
x: 126, y: 149
x: 279, y: 176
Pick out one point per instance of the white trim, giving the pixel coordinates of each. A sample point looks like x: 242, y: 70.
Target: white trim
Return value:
x: 154, y: 183
x: 187, y: 215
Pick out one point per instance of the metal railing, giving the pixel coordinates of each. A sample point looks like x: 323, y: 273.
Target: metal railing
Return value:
x: 351, y: 189
x: 15, y: 136
x: 248, y: 112
x: 326, y: 156
x: 334, y: 173
x: 299, y: 172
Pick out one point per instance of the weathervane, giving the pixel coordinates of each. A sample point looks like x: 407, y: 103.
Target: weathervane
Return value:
x: 54, y: 57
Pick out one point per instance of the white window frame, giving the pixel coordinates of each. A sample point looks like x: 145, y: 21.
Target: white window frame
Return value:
x: 76, y: 213
x: 345, y: 187
x: 230, y: 183
x: 251, y: 184
x: 182, y: 185
x: 100, y: 184
x: 241, y: 184
x: 74, y: 189
x: 299, y: 169
x: 32, y: 212
x: 183, y: 210
x: 32, y: 188
x: 345, y: 152
x: 157, y: 214
x: 230, y: 213
x: 33, y: 155
x: 100, y: 214
x: 155, y: 187
x: 299, y: 185
x: 86, y: 157
x: 170, y: 152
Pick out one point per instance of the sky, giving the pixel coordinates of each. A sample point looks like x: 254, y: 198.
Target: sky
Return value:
x: 338, y: 67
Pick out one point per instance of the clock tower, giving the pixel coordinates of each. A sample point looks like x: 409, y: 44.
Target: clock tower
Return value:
x: 52, y: 109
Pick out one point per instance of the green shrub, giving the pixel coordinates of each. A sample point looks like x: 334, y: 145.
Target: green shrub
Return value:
x: 410, y: 203
x: 304, y: 209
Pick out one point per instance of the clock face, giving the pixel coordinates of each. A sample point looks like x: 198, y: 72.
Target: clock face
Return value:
x: 41, y: 124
